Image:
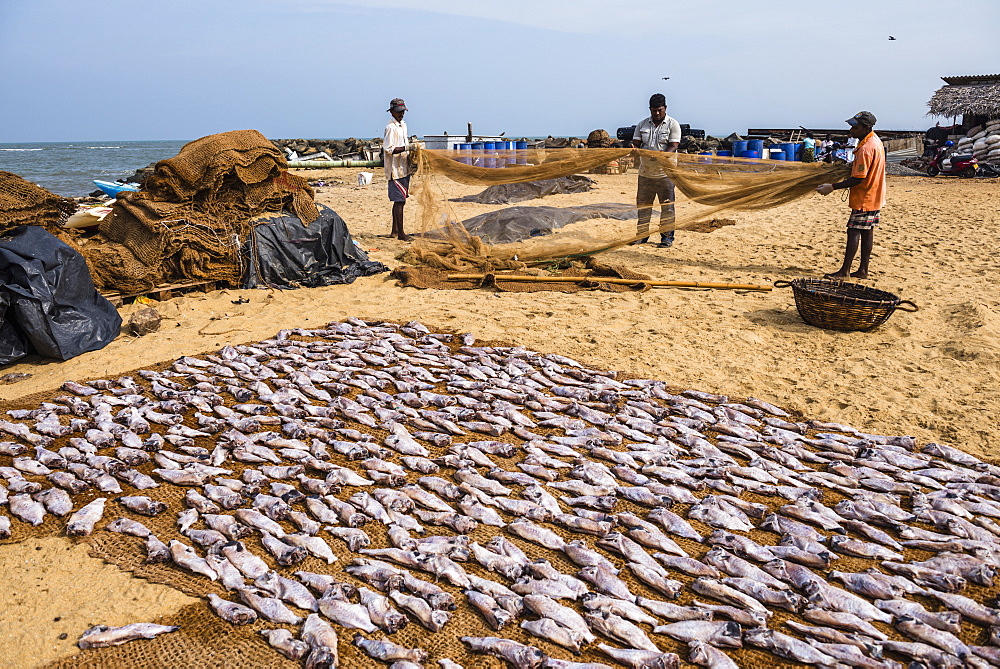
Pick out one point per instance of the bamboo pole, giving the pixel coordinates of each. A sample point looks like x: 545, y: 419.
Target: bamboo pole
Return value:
x: 602, y: 279
x: 325, y: 164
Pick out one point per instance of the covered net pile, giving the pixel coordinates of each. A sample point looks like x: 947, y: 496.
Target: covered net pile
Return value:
x: 711, y: 184
x: 24, y: 203
x: 194, y: 213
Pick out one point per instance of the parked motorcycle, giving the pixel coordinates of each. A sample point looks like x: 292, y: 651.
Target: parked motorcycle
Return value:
x: 962, y: 166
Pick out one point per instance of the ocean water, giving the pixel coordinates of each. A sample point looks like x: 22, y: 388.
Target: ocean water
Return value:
x: 69, y: 168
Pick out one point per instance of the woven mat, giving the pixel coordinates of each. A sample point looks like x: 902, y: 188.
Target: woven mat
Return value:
x: 205, y: 641
x: 590, y: 279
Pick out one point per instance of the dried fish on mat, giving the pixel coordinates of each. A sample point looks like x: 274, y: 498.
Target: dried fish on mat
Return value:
x: 390, y: 480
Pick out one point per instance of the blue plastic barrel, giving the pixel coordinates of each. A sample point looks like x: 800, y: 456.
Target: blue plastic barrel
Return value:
x: 750, y: 154
x: 739, y: 146
x: 477, y: 154
x: 778, y: 155
x: 522, y: 152
x: 724, y: 153
x: 755, y: 145
x: 506, y: 151
x: 789, y: 149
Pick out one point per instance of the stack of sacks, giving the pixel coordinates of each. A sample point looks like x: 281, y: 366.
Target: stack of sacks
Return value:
x: 977, y: 136
x: 993, y: 141
x: 963, y: 147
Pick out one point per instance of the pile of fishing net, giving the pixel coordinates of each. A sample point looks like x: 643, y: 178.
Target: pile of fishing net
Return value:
x: 711, y: 184
x: 600, y: 139
x: 193, y: 215
x: 24, y: 203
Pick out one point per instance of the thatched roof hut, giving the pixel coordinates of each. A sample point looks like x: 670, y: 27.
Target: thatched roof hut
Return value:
x: 972, y: 95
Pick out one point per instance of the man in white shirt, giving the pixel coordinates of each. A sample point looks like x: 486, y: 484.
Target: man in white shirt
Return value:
x: 658, y: 132
x: 397, y: 165
x: 852, y: 143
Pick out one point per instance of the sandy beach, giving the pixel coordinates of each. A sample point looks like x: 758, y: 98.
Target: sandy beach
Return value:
x: 933, y: 374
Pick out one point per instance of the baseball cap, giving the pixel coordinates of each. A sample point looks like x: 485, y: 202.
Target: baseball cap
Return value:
x: 397, y: 104
x: 863, y: 118
x: 657, y: 100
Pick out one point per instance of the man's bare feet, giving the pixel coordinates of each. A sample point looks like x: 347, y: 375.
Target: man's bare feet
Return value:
x: 859, y: 275
x: 835, y: 275
x: 404, y: 237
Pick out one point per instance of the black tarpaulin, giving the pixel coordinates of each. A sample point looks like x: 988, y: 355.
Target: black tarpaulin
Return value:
x: 12, y: 344
x: 519, y: 192
x: 513, y: 224
x: 52, y: 300
x: 283, y: 253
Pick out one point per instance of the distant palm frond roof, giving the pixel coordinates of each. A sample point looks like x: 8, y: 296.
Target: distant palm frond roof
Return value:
x: 967, y: 94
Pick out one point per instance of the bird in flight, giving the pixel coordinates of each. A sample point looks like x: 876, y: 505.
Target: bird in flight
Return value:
x: 665, y: 78
x: 891, y: 37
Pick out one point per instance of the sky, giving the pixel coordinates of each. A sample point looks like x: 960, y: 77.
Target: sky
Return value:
x: 157, y: 70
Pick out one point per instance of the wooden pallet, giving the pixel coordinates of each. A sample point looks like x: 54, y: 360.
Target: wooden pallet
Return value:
x: 161, y: 293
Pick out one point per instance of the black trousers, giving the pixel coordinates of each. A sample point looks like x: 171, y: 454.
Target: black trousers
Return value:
x: 647, y: 192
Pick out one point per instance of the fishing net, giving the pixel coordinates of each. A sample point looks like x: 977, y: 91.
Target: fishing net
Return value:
x: 710, y: 184
x: 194, y: 213
x: 24, y: 203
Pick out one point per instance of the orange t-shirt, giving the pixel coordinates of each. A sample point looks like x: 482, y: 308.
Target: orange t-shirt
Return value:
x: 869, y: 166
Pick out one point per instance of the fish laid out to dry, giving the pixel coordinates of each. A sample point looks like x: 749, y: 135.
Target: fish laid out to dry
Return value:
x: 101, y: 636
x: 360, y: 479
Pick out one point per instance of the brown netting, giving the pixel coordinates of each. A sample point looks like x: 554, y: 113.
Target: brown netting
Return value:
x: 236, y: 169
x: 24, y: 203
x: 711, y: 184
x: 203, y: 640
x: 599, y: 139
x: 189, y: 221
x: 113, y: 266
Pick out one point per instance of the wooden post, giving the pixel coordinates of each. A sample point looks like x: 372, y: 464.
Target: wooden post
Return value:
x: 603, y: 279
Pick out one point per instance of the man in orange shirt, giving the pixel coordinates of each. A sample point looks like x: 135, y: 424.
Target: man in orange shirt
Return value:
x: 867, y: 195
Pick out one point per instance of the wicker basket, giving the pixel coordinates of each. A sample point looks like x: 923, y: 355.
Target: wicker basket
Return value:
x: 840, y: 305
